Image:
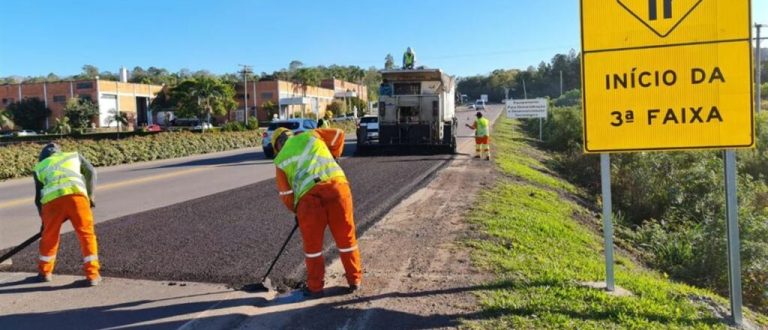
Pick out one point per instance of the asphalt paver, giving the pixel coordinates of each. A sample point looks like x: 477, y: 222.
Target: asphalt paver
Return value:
x: 231, y: 237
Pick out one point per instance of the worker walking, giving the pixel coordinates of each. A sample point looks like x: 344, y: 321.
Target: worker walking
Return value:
x: 409, y: 59
x: 482, y: 136
x: 312, y: 184
x: 64, y: 184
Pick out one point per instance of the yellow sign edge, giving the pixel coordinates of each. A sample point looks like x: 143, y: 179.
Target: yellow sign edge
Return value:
x: 584, y: 94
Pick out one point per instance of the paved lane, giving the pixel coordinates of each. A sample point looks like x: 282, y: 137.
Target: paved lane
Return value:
x: 231, y: 236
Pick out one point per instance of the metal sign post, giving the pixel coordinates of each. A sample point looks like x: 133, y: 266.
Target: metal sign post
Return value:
x: 734, y: 244
x: 605, y: 181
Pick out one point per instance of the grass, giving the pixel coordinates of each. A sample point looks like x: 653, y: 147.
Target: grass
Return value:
x: 515, y: 157
x: 541, y: 257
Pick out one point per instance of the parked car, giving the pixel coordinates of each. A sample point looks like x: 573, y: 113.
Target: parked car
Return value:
x: 191, y: 123
x: 296, y: 125
x: 25, y: 132
x: 371, y: 123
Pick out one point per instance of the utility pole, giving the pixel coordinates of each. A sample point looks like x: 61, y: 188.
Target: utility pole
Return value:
x: 758, y: 97
x: 525, y: 91
x: 246, y: 70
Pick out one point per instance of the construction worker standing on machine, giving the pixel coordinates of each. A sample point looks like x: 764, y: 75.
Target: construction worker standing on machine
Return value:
x: 409, y: 59
x: 64, y: 183
x: 312, y: 184
x: 482, y: 136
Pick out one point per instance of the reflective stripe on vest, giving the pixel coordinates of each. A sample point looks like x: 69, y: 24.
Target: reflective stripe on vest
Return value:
x: 306, y: 161
x: 60, y: 176
x: 481, y: 127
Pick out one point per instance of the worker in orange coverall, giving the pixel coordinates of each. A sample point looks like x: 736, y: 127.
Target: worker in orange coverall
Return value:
x: 312, y: 184
x: 64, y: 191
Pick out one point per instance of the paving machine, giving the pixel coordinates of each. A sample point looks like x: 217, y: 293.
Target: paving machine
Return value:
x: 417, y: 114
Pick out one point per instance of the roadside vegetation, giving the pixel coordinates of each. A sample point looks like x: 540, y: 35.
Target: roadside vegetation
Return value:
x: 18, y: 160
x: 670, y: 206
x: 545, y: 248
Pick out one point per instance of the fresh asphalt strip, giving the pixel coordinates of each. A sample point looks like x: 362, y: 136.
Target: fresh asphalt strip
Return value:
x: 232, y: 236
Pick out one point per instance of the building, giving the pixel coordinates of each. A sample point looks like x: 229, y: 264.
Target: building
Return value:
x: 132, y: 99
x: 292, y: 98
x: 343, y: 89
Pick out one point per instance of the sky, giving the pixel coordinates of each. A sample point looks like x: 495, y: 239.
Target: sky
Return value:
x: 461, y: 37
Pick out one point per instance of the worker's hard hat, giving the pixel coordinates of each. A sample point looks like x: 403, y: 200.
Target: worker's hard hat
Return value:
x: 329, y: 114
x: 479, y: 114
x: 48, y: 150
x: 277, y: 133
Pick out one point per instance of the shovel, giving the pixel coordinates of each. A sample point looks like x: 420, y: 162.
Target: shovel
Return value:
x: 266, y: 283
x: 20, y: 247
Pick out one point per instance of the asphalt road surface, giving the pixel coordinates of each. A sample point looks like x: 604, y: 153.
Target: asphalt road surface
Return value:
x: 231, y: 236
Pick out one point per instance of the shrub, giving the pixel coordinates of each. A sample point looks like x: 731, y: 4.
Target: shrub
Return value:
x: 19, y: 160
x: 673, y: 203
x: 233, y: 126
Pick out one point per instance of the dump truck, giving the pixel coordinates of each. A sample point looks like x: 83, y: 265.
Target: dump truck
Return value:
x: 417, y: 114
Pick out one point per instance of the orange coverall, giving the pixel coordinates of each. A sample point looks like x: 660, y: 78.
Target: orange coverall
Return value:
x: 76, y: 208
x: 328, y: 203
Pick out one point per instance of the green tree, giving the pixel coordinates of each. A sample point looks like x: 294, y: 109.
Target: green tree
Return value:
x: 29, y: 113
x: 270, y: 108
x: 118, y: 117
x: 389, y: 62
x: 89, y: 72
x: 80, y: 113
x: 295, y: 65
x: 62, y: 126
x: 5, y: 120
x: 202, y: 97
x: 307, y: 76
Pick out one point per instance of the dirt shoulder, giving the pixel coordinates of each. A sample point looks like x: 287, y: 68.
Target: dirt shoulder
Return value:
x: 416, y: 272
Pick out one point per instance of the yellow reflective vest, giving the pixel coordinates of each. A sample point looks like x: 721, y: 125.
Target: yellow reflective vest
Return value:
x: 481, y: 127
x: 60, y: 176
x: 306, y: 161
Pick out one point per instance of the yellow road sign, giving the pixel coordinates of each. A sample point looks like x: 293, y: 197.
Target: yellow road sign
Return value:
x: 664, y: 74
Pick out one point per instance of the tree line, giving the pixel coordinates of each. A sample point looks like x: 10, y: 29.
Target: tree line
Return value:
x: 533, y: 82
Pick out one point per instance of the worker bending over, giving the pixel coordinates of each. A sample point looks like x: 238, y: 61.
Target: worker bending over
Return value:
x: 482, y: 136
x: 312, y: 184
x: 64, y: 183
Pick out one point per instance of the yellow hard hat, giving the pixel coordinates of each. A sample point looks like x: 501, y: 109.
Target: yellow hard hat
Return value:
x: 276, y: 134
x: 328, y: 114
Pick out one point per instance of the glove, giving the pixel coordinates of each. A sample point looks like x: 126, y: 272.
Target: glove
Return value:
x: 93, y: 204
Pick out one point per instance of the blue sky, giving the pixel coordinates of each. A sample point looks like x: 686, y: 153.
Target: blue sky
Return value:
x: 462, y: 37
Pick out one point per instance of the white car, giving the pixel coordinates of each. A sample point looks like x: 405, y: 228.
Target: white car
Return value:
x: 25, y: 132
x: 479, y: 105
x: 296, y: 125
x: 371, y: 123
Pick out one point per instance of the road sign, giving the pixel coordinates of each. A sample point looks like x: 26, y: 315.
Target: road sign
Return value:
x: 535, y: 108
x: 663, y: 74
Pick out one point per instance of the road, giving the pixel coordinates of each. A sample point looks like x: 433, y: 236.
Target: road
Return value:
x: 215, y: 218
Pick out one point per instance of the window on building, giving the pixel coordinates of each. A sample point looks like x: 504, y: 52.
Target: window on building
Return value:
x: 408, y: 89
x: 85, y: 97
x: 85, y: 85
x: 266, y: 96
x: 60, y: 98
